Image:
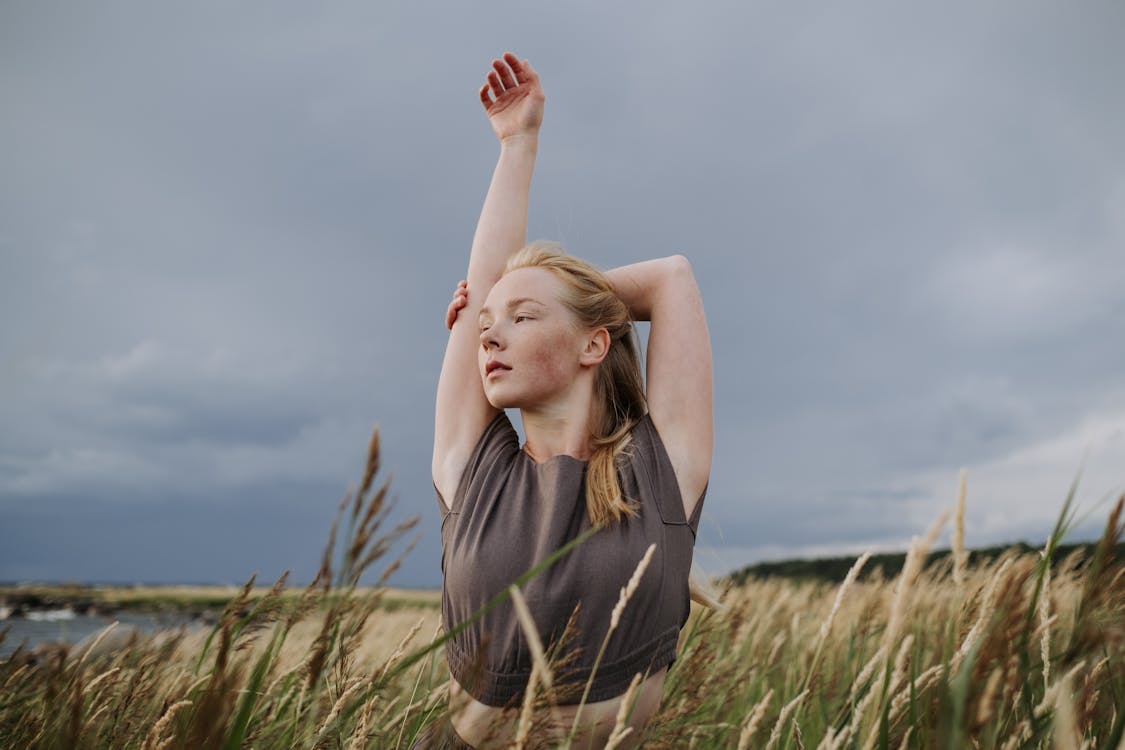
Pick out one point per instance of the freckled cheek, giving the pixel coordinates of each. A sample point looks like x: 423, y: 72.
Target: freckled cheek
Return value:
x: 548, y: 361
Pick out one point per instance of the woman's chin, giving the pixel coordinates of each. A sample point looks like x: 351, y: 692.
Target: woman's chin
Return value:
x: 498, y: 401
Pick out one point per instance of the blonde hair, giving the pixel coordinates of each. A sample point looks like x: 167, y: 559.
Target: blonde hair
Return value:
x: 619, y: 395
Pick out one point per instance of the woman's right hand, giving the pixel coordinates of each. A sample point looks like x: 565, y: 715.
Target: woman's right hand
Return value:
x: 513, y: 98
x: 460, y: 299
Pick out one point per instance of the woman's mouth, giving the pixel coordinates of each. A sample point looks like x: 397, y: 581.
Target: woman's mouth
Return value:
x: 495, y: 367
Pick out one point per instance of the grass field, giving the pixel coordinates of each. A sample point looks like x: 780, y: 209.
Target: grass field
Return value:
x: 1024, y: 651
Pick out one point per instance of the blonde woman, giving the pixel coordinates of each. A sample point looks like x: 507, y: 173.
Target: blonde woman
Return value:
x: 537, y: 330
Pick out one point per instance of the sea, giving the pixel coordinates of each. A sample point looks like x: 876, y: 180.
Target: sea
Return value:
x: 67, y: 626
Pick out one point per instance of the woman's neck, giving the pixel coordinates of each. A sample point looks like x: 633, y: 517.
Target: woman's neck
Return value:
x: 558, y: 429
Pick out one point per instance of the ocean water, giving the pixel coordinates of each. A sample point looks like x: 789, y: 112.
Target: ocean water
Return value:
x: 63, y: 626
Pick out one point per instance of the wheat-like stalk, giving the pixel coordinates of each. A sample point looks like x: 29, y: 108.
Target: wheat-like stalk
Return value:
x: 523, y: 728
x: 615, y: 617
x: 620, y: 731
x: 158, y: 728
x: 826, y: 626
x: 1045, y: 619
x: 97, y: 640
x: 987, y: 608
x: 790, y: 707
x: 987, y: 703
x: 630, y: 588
x: 342, y: 701
x: 865, y: 673
x: 103, y: 676
x: 919, y: 548
x: 1065, y: 735
x: 753, y: 719
x: 531, y: 632
x: 960, y: 556
x: 401, y: 648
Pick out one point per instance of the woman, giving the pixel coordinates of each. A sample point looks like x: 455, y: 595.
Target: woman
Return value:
x: 550, y: 335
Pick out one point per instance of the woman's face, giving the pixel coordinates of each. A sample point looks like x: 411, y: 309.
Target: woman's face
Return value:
x: 529, y: 342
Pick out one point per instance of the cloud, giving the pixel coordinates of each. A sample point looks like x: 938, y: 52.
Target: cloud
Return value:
x: 227, y: 248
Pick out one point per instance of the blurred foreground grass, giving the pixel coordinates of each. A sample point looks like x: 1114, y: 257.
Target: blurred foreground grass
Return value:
x: 1024, y: 651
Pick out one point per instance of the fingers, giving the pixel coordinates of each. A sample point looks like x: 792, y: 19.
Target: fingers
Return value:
x: 505, y: 76
x: 522, y: 70
x: 460, y: 299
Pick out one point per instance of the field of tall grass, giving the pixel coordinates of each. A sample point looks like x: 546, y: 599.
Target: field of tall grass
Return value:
x: 1027, y: 651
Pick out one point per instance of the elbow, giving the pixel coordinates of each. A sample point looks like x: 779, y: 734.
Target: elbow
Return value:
x: 677, y: 270
x: 678, y: 265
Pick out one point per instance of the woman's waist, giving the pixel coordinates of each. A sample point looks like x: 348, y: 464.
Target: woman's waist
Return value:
x: 485, y: 726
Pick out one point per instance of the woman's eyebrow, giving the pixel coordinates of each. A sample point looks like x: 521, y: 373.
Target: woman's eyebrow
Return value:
x: 511, y: 303
x: 521, y: 300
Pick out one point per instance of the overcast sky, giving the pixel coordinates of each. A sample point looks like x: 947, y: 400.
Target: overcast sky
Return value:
x: 228, y: 235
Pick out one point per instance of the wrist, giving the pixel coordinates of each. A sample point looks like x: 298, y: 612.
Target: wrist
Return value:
x: 520, y: 141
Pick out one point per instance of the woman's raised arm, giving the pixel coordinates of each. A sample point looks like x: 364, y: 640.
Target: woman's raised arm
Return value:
x: 679, y: 383
x: 513, y: 99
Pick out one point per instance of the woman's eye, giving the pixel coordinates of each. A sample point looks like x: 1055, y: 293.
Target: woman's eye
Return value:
x: 521, y: 317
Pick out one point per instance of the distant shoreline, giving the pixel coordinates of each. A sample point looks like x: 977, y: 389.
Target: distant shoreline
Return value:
x: 19, y: 600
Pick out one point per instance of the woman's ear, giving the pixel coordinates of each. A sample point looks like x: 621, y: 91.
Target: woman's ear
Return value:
x: 596, y: 347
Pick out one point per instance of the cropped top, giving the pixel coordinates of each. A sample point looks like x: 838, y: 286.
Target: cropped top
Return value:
x: 509, y: 513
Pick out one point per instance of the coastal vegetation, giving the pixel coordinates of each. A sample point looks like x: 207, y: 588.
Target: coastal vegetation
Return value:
x: 1025, y: 649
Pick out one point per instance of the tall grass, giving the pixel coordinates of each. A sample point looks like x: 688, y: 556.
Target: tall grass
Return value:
x: 1026, y: 651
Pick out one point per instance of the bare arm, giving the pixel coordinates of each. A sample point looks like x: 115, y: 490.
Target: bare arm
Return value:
x: 679, y: 376
x: 514, y: 101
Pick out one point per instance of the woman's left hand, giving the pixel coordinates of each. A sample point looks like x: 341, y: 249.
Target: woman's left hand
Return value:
x: 460, y: 299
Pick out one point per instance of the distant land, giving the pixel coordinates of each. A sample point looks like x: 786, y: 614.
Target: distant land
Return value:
x: 888, y: 564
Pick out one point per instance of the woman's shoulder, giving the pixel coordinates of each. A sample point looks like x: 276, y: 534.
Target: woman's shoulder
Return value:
x: 498, y: 442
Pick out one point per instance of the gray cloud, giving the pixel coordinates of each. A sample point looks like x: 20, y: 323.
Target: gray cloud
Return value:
x: 227, y: 240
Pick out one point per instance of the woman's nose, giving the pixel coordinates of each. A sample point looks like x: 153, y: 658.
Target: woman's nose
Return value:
x: 489, y: 339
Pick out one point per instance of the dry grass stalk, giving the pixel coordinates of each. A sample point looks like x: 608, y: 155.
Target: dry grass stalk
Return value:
x: 865, y: 673
x: 753, y: 719
x: 921, y: 683
x: 401, y: 648
x: 1018, y: 737
x: 620, y: 731
x: 987, y: 703
x: 782, y: 718
x: 97, y: 640
x: 1091, y: 688
x: 830, y: 741
x: 960, y: 556
x: 630, y: 588
x: 915, y: 558
x: 615, y: 617
x: 775, y: 647
x: 901, y: 661
x: 1045, y: 620
x: 861, y: 708
x: 523, y: 728
x: 359, y: 737
x: 1050, y: 696
x: 987, y: 607
x: 1065, y: 734
x: 158, y: 728
x: 104, y: 675
x: 337, y: 706
x: 905, y: 744
x: 531, y: 632
x: 826, y: 626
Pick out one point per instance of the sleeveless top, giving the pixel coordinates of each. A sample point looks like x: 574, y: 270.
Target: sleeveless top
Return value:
x: 509, y: 513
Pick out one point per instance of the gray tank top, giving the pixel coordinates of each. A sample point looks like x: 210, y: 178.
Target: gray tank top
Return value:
x: 509, y: 513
